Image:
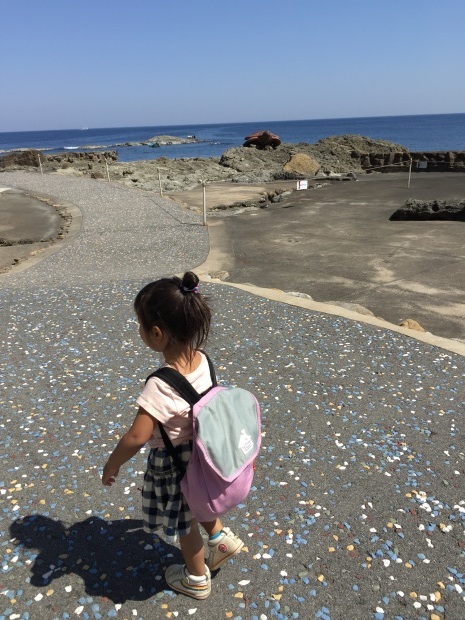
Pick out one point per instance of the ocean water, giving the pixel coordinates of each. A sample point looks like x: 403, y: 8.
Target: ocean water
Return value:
x: 435, y: 132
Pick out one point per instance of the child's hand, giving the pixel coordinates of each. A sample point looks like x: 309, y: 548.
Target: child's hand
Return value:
x: 109, y: 475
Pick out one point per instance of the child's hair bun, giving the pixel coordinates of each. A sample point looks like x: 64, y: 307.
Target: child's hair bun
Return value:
x: 176, y: 306
x: 190, y: 282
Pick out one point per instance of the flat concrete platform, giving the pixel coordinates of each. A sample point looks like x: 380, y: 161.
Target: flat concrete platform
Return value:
x: 223, y: 194
x: 336, y: 243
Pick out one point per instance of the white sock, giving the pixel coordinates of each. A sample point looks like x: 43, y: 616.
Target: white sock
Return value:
x: 196, y: 578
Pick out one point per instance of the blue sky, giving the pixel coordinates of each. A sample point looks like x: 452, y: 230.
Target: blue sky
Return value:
x: 112, y: 63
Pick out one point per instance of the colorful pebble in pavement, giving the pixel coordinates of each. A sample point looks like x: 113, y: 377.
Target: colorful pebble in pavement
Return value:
x: 357, y: 508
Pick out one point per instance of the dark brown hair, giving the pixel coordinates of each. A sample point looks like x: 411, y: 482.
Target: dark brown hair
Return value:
x: 176, y: 306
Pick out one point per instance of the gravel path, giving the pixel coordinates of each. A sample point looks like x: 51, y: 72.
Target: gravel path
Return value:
x: 357, y: 510
x: 125, y: 234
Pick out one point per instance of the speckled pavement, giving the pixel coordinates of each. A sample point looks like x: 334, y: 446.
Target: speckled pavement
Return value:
x: 358, y: 507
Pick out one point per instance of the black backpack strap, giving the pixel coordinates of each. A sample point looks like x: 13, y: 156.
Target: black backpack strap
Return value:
x: 172, y: 451
x: 212, y: 370
x: 179, y: 383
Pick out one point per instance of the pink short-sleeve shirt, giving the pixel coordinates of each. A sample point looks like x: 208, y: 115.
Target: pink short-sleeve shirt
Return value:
x: 164, y: 404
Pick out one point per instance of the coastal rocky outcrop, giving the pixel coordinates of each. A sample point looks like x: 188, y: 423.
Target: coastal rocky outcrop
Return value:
x: 336, y: 155
x: 431, y: 210
x: 154, y: 141
x: 20, y: 159
x: 169, y: 140
x: 34, y: 159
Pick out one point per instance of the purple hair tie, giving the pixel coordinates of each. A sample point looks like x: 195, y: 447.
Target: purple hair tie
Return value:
x: 184, y: 289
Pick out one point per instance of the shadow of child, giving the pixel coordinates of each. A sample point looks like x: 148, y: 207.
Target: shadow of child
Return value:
x: 115, y: 559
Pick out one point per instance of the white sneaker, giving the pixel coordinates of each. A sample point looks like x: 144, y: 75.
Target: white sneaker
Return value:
x: 223, y: 548
x: 178, y: 578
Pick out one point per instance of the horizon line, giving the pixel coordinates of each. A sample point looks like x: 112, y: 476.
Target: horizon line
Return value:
x: 300, y: 120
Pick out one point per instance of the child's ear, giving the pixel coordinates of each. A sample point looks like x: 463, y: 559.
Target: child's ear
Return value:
x: 156, y: 332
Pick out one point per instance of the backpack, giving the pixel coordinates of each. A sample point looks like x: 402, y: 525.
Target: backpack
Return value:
x: 226, y: 438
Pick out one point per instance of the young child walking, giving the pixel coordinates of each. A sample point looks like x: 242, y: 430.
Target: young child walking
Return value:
x: 174, y: 320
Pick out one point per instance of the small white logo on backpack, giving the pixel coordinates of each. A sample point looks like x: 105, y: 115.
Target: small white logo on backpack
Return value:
x: 245, y: 442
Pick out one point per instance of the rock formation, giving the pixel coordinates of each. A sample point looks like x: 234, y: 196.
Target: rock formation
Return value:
x: 301, y: 163
x: 20, y: 159
x: 168, y: 140
x: 431, y: 210
x: 411, y: 324
x: 34, y: 159
x: 262, y: 139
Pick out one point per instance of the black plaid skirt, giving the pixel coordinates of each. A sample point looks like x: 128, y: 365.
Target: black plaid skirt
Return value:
x: 163, y: 504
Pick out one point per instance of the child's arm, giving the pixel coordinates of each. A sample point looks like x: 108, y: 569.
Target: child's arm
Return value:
x: 129, y: 444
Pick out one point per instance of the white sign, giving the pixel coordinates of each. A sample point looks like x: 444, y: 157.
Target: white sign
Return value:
x: 302, y: 184
x: 422, y: 164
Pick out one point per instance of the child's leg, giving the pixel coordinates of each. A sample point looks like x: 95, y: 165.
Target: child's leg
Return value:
x: 212, y: 527
x: 193, y: 550
x: 193, y: 577
x: 223, y: 544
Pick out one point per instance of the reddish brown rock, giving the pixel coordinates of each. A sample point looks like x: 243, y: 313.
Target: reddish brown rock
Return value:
x: 262, y: 139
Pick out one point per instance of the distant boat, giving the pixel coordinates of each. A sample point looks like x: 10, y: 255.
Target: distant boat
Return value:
x: 84, y: 128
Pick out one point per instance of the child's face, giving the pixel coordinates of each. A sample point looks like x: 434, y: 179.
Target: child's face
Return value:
x: 143, y: 335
